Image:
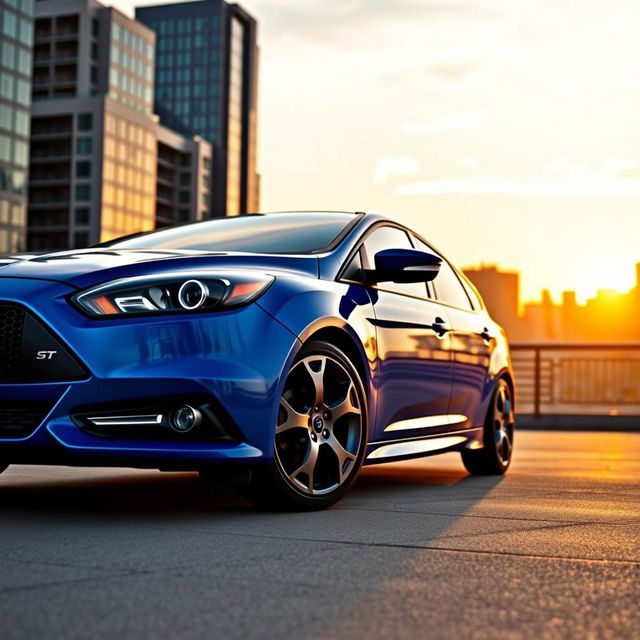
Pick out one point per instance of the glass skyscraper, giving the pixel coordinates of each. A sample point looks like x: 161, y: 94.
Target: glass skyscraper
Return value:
x: 16, y: 39
x: 101, y: 164
x: 206, y: 83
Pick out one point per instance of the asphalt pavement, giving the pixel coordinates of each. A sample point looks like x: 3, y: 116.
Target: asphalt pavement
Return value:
x: 416, y: 550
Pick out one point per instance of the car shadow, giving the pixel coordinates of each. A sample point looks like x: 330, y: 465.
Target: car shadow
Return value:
x: 140, y: 494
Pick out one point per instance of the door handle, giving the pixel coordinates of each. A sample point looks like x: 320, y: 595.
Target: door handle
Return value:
x: 440, y: 327
x: 486, y: 335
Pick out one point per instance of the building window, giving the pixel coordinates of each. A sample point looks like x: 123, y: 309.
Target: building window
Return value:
x: 185, y: 179
x: 10, y: 24
x: 5, y: 148
x: 85, y: 122
x: 80, y: 239
x: 83, y: 169
x: 23, y: 92
x: 82, y: 216
x: 21, y: 153
x: 6, y: 114
x: 8, y: 54
x: 84, y: 146
x: 83, y: 192
x: 184, y: 197
x: 22, y: 123
x: 26, y: 32
x: 24, y: 62
x: 6, y: 86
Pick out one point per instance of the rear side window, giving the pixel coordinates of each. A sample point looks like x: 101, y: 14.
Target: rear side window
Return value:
x: 475, y: 298
x: 449, y: 289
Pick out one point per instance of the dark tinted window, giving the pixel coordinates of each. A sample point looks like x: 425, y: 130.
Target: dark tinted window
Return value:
x: 353, y: 272
x: 391, y: 238
x: 275, y: 233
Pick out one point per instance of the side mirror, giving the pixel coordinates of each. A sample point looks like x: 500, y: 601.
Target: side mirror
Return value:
x: 404, y: 265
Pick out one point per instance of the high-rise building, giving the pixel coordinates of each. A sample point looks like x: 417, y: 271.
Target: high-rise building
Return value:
x: 206, y: 84
x: 97, y: 149
x: 16, y: 35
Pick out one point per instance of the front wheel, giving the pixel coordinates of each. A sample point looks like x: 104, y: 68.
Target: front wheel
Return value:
x: 320, y: 434
x: 495, y: 457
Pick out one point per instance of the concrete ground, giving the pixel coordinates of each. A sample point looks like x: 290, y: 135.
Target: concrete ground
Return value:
x: 416, y: 550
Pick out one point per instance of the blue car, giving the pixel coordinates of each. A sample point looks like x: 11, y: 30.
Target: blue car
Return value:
x: 283, y: 351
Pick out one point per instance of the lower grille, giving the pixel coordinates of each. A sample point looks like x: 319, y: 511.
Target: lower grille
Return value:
x: 20, y: 418
x: 11, y: 323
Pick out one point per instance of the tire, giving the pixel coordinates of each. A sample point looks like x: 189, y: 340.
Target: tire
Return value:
x: 320, y: 436
x: 495, y: 457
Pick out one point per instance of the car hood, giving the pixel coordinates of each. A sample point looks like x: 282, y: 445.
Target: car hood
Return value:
x: 86, y: 267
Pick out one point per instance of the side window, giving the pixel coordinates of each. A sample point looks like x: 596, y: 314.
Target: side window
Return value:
x: 422, y: 246
x: 449, y: 289
x: 473, y: 295
x: 391, y: 238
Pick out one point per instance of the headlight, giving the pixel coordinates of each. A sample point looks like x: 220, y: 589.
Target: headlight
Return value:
x: 172, y: 293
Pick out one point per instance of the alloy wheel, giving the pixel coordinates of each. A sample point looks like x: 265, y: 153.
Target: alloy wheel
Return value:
x: 503, y: 421
x: 320, y: 426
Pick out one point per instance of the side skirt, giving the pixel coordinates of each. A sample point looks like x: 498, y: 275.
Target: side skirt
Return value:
x: 407, y: 448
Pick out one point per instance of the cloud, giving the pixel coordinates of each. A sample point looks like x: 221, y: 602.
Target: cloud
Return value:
x: 394, y: 165
x: 600, y: 187
x: 447, y: 122
x: 467, y: 162
x: 453, y: 71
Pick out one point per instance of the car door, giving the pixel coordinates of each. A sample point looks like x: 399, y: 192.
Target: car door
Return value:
x: 471, y: 344
x: 413, y: 370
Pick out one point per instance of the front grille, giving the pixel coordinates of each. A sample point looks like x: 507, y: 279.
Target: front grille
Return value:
x: 11, y: 323
x: 19, y: 418
x: 30, y: 352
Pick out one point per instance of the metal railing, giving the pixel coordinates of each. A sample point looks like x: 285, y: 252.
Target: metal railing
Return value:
x: 588, y: 379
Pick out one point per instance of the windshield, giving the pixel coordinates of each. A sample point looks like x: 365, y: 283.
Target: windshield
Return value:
x: 274, y: 233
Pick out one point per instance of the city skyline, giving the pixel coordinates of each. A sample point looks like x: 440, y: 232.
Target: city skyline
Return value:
x: 566, y: 320
x: 511, y: 120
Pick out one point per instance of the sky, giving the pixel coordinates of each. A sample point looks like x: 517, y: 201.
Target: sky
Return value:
x: 504, y: 131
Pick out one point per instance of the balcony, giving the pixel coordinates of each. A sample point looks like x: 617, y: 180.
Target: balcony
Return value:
x: 585, y: 385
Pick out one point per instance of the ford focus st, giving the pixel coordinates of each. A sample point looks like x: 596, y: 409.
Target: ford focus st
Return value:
x: 285, y: 350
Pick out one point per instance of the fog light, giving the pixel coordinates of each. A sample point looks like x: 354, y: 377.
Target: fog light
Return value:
x: 185, y: 418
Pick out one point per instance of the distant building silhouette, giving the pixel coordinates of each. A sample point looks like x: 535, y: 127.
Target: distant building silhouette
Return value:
x: 501, y: 292
x: 608, y: 317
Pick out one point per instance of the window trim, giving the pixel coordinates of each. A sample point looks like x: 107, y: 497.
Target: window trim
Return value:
x: 428, y: 289
x: 360, y: 245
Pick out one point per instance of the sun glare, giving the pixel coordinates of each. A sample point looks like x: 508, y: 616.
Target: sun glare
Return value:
x: 615, y: 277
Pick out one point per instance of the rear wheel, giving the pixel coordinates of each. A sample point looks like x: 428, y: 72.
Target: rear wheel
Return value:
x: 495, y: 457
x: 320, y: 435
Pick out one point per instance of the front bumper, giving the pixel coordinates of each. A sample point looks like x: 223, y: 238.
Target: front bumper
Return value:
x: 235, y: 358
